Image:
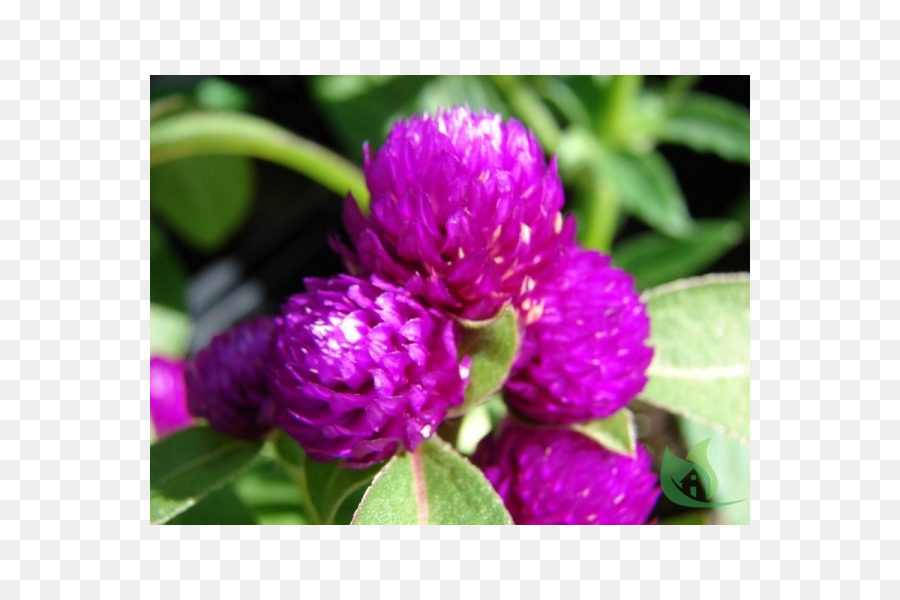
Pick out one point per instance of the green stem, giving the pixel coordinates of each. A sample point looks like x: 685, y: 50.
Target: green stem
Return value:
x: 527, y: 104
x: 601, y: 214
x: 288, y: 455
x: 197, y: 133
x: 614, y: 119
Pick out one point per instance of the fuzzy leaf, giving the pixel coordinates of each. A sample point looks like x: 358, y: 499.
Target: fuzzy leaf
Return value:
x: 492, y: 347
x: 616, y: 432
x: 432, y: 486
x: 701, y: 364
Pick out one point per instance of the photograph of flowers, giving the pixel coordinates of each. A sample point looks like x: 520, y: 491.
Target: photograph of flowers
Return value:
x: 450, y: 300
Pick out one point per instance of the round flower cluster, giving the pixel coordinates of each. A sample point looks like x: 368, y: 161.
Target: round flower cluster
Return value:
x: 363, y: 368
x: 465, y: 214
x: 557, y: 476
x: 464, y: 222
x: 227, y: 383
x: 585, y: 357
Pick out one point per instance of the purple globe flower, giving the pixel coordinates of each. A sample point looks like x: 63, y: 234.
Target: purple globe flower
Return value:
x: 227, y: 382
x: 464, y: 212
x: 556, y: 476
x: 585, y: 357
x: 363, y: 368
x: 168, y: 397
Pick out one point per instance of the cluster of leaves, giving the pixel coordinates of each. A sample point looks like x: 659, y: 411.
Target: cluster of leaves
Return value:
x: 605, y: 132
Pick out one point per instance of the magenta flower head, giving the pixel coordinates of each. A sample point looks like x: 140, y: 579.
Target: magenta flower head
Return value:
x: 168, y: 397
x: 464, y: 212
x: 585, y: 357
x: 363, y: 368
x: 227, y: 382
x: 557, y: 476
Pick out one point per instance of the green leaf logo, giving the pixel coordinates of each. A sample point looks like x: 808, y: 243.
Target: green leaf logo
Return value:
x: 683, y: 481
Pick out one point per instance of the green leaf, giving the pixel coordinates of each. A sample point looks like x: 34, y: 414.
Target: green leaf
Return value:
x: 220, y: 133
x: 167, y: 275
x: 709, y: 124
x: 642, y: 183
x: 348, y: 508
x: 654, y: 259
x: 170, y: 331
x: 221, y: 507
x: 189, y: 464
x: 677, y: 86
x: 591, y: 90
x: 648, y: 189
x: 270, y: 492
x: 731, y: 460
x: 701, y: 363
x: 324, y: 485
x: 616, y: 432
x: 203, y: 198
x: 560, y: 93
x: 432, y: 486
x: 492, y: 346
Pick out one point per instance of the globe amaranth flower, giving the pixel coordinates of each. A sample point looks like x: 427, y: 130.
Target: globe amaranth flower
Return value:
x: 585, y: 357
x: 465, y: 213
x: 227, y: 381
x: 168, y: 397
x: 557, y: 476
x: 363, y: 368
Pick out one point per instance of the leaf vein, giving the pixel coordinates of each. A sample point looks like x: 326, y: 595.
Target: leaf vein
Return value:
x: 420, y: 489
x: 723, y: 372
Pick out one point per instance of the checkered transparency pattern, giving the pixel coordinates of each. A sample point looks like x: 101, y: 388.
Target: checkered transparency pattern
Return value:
x: 74, y: 254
